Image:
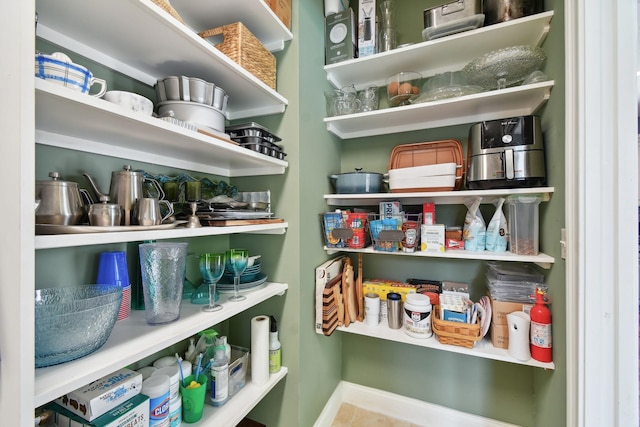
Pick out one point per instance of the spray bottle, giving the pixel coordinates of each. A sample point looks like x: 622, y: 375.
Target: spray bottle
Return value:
x: 275, y: 355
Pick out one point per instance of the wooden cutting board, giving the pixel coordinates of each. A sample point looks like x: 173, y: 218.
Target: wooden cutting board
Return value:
x: 230, y: 222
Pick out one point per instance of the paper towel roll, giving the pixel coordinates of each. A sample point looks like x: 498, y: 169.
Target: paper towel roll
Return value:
x: 260, y: 350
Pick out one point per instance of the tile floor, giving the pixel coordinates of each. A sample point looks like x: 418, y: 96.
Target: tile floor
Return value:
x: 351, y: 416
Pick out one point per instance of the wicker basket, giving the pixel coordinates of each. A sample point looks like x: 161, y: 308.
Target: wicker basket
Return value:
x: 455, y: 333
x: 166, y: 6
x: 244, y: 48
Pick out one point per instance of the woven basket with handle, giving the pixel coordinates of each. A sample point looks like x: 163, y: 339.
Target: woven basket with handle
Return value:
x: 166, y: 6
x: 455, y: 333
x: 245, y: 49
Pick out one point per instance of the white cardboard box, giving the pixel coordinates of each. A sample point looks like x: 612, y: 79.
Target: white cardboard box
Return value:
x: 100, y: 396
x: 432, y: 238
x: 367, y: 28
x: 133, y: 412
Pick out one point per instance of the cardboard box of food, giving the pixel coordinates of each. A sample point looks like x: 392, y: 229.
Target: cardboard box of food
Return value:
x: 383, y: 287
x: 500, y: 336
x: 340, y: 37
x: 432, y: 238
x: 500, y: 309
x: 102, y: 395
x: 282, y: 9
x: 133, y: 412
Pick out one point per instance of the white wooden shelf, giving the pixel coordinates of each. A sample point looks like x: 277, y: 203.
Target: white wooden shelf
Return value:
x: 449, y: 53
x: 543, y: 260
x: 439, y: 197
x: 482, y: 348
x: 149, y: 44
x: 88, y: 239
x: 133, y: 339
x: 256, y: 15
x: 69, y: 119
x: 232, y: 412
x: 495, y: 104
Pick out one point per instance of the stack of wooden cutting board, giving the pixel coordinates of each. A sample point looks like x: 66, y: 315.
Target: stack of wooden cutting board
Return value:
x: 339, y: 299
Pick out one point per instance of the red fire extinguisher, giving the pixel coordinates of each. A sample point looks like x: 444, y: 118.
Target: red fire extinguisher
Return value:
x: 541, y: 328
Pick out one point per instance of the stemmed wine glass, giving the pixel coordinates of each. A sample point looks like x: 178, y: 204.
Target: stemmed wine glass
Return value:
x: 237, y: 260
x: 211, y: 268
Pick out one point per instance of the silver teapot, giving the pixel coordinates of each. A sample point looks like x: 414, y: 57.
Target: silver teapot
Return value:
x: 126, y: 188
x: 60, y: 202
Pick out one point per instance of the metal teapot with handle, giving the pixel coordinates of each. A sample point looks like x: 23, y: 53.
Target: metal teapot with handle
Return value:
x: 126, y: 188
x: 59, y: 202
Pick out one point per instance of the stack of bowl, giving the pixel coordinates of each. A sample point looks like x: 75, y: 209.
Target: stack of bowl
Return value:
x: 192, y: 100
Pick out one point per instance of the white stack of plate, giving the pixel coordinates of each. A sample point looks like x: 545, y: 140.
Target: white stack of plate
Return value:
x: 428, y: 176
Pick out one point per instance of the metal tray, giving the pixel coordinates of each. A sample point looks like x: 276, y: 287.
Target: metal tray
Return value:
x: 46, y: 229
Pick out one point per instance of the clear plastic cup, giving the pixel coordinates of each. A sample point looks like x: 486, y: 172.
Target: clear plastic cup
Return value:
x: 163, y: 267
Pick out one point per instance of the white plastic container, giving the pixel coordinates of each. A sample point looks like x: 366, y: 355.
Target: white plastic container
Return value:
x: 417, y: 316
x: 157, y: 388
x: 173, y: 372
x: 175, y: 412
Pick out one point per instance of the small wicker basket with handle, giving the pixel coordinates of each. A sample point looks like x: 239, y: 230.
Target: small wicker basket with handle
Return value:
x: 455, y: 333
x: 166, y: 6
x: 245, y: 49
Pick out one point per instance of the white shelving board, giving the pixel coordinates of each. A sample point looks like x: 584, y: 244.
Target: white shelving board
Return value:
x: 495, y: 104
x: 87, y: 239
x: 133, y: 339
x: 69, y: 119
x: 449, y: 53
x: 541, y: 259
x: 256, y: 15
x: 232, y: 412
x: 437, y: 197
x: 148, y: 44
x: 482, y: 348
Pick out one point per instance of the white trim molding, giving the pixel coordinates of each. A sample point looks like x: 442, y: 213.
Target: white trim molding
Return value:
x: 399, y: 407
x: 601, y: 210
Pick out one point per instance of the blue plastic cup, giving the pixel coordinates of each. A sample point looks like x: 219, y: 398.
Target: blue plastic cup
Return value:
x: 112, y: 269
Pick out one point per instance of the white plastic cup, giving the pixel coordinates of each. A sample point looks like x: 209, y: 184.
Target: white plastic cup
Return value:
x: 335, y: 6
x: 372, y: 309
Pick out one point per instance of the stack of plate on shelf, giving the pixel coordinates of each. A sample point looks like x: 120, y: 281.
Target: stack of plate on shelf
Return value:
x: 250, y: 279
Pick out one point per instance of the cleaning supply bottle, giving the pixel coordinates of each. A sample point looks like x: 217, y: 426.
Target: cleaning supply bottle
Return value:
x: 227, y: 348
x: 275, y: 355
x: 190, y: 353
x: 219, y: 377
x: 541, y: 345
x: 206, y: 344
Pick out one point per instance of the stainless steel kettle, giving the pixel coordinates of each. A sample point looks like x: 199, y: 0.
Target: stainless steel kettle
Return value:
x: 60, y: 202
x: 126, y: 188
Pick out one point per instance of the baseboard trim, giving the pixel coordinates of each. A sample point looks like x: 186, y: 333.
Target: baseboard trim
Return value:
x: 400, y: 407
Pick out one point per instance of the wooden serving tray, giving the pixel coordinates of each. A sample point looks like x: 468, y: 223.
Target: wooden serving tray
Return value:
x: 428, y: 153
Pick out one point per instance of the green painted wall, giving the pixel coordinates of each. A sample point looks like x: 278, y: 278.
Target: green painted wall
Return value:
x: 508, y: 392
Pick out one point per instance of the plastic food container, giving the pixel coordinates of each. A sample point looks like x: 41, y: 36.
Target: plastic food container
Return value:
x: 524, y: 223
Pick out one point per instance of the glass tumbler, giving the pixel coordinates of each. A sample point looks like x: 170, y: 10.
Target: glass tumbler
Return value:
x: 163, y: 266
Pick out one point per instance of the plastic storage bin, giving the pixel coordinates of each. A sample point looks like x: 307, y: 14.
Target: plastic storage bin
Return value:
x: 524, y: 223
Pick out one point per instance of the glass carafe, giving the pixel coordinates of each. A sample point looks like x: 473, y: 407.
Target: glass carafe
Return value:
x: 387, y: 36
